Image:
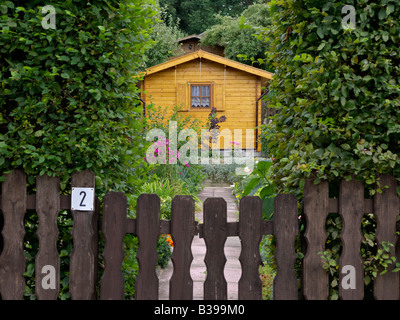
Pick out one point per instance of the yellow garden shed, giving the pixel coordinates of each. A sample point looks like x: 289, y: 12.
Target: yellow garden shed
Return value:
x: 201, y: 80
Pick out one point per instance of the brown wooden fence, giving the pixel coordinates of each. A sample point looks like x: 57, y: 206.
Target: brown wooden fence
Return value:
x: 214, y: 230
x: 47, y: 202
x: 351, y: 206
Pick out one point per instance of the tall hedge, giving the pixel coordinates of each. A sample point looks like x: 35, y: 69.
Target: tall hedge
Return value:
x: 336, y: 90
x: 68, y: 98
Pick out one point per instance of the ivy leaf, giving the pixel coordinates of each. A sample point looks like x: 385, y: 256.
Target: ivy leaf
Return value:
x: 382, y: 13
x: 320, y: 33
x: 250, y: 186
x: 389, y: 9
x: 345, y: 146
x: 321, y: 46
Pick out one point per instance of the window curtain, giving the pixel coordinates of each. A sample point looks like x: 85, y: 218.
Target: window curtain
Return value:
x: 196, y: 96
x: 205, y: 93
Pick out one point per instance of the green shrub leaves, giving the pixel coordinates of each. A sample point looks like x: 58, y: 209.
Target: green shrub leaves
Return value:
x: 68, y: 98
x: 336, y: 90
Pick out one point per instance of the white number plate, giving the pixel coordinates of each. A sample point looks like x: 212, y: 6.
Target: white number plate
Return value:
x: 82, y: 199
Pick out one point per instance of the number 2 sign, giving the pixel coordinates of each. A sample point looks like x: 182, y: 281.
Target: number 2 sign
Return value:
x: 82, y: 199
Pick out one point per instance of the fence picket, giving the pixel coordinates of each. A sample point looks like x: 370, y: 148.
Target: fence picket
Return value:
x: 95, y: 244
x: 12, y: 259
x: 386, y: 210
x: 47, y: 262
x: 182, y: 230
x: 82, y: 280
x: 114, y: 229
x: 285, y: 232
x: 250, y: 234
x: 215, y: 230
x: 316, y: 205
x: 147, y: 230
x: 351, y: 209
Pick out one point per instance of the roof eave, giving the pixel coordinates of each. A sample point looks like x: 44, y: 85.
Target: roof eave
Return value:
x: 209, y: 56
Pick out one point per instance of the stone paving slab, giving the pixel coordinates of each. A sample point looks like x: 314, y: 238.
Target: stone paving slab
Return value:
x: 198, y: 270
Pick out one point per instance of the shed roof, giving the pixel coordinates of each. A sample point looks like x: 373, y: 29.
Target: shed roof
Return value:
x: 200, y: 54
x: 192, y: 36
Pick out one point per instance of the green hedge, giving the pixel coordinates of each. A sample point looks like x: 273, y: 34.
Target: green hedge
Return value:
x: 68, y: 99
x: 337, y: 91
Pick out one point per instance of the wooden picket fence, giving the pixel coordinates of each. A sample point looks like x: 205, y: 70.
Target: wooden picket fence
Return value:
x: 351, y: 206
x: 215, y: 229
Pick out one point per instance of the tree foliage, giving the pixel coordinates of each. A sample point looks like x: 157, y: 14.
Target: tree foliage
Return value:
x: 198, y: 16
x: 336, y: 90
x: 238, y: 35
x: 165, y: 34
x: 68, y: 98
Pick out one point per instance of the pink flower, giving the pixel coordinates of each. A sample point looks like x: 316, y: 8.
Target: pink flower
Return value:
x: 187, y: 164
x: 180, y: 172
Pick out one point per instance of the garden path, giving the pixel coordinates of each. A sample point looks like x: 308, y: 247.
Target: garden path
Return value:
x: 198, y: 268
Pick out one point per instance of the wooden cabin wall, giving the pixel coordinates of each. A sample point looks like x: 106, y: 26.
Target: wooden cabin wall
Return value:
x: 240, y: 89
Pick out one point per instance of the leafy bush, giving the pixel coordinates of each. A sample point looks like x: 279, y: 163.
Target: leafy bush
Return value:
x: 258, y: 183
x: 267, y: 275
x: 130, y: 265
x: 336, y: 92
x: 164, y: 250
x: 68, y: 101
x: 221, y: 173
x: 376, y: 259
x: 167, y: 189
x: 67, y: 97
x: 165, y: 35
x: 236, y: 34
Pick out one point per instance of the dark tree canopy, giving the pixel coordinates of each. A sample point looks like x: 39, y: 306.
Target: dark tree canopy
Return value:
x: 197, y: 16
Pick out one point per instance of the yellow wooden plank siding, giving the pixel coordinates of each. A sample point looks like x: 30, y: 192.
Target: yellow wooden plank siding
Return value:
x: 235, y: 88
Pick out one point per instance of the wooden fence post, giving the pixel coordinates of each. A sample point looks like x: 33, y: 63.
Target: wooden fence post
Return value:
x: 250, y: 234
x: 147, y: 230
x: 286, y: 228
x: 351, y: 209
x: 114, y: 228
x: 47, y: 263
x: 215, y: 230
x: 386, y: 210
x: 82, y: 280
x: 316, y: 207
x: 12, y: 259
x: 182, y: 231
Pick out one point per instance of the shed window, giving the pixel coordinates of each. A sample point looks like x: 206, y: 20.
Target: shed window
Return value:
x: 201, y: 96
